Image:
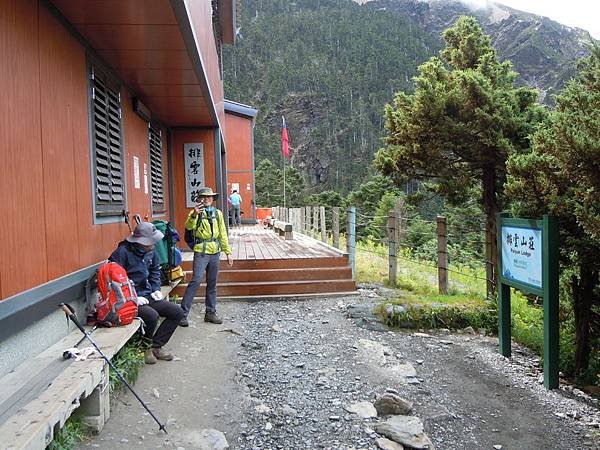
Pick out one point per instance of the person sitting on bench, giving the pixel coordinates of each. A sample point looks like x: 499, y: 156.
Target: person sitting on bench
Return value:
x: 136, y: 255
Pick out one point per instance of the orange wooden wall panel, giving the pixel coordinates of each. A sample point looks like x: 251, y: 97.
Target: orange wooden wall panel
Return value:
x: 180, y: 137
x: 201, y: 14
x: 136, y: 144
x: 61, y: 60
x: 23, y: 237
x: 240, y: 165
x: 238, y: 142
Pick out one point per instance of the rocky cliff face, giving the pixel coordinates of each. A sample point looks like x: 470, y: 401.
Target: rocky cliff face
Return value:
x: 543, y: 51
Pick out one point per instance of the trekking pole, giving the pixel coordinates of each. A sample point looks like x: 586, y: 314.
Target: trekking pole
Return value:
x: 68, y: 310
x: 126, y: 216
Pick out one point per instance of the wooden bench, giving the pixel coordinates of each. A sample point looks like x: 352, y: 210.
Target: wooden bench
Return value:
x: 283, y: 229
x: 39, y: 395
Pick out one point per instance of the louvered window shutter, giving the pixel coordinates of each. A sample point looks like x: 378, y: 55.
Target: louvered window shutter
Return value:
x: 156, y: 170
x: 107, y: 145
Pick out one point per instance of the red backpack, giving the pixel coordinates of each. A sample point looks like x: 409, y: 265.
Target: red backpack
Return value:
x: 117, y: 298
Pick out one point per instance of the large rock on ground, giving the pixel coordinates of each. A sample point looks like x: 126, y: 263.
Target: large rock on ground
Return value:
x: 392, y: 404
x: 206, y: 439
x: 364, y: 410
x: 371, y: 352
x: 386, y: 444
x: 406, y: 430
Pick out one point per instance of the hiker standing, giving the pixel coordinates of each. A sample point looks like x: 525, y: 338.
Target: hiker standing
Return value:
x: 236, y: 204
x: 136, y: 255
x: 208, y: 227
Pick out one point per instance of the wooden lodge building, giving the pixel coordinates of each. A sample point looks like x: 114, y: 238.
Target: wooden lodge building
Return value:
x: 108, y: 109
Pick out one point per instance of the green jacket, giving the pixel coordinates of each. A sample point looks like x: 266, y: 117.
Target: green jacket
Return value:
x: 215, y: 242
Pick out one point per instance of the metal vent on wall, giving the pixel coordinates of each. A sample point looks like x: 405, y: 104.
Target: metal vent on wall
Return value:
x: 107, y: 145
x: 156, y: 170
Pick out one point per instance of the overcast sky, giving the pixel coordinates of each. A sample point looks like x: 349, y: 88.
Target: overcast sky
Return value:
x: 574, y: 13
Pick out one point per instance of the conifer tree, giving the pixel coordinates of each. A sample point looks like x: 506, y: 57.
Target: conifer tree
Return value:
x: 462, y: 122
x: 562, y: 177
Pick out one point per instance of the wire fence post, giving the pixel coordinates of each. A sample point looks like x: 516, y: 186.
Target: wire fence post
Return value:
x: 307, y: 220
x: 315, y: 232
x: 442, y: 255
x: 323, y: 224
x: 335, y: 223
x: 302, y: 220
x: 351, y: 239
x: 392, y: 236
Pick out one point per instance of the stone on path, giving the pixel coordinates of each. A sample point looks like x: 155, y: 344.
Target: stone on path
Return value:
x: 262, y: 409
x: 392, y: 404
x: 370, y: 352
x: 205, y: 439
x: 386, y: 444
x: 364, y: 410
x: 404, y: 370
x: 405, y: 430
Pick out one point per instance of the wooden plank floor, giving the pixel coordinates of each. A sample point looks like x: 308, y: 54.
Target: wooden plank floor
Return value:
x: 254, y: 242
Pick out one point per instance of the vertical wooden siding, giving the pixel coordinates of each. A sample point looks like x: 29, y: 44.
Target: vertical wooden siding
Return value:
x: 180, y: 137
x: 201, y: 15
x: 45, y: 176
x: 240, y: 164
x: 23, y: 237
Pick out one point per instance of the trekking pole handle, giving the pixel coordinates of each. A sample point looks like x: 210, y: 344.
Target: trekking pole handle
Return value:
x: 71, y: 315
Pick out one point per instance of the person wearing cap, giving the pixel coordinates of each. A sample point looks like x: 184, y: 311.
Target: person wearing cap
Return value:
x: 136, y: 255
x: 208, y: 226
x: 236, y: 204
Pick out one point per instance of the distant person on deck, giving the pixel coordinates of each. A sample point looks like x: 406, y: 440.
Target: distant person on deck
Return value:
x: 236, y: 204
x: 208, y: 226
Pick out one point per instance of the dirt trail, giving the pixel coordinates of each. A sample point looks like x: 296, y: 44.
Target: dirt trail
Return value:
x: 277, y: 375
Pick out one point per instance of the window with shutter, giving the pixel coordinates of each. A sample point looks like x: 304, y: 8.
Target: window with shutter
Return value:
x: 107, y: 148
x: 156, y: 170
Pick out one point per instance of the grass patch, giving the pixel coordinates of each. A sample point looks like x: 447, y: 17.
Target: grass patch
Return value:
x: 70, y: 435
x: 129, y: 360
x: 465, y: 305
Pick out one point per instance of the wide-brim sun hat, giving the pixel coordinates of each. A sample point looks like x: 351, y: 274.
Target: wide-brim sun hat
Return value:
x: 206, y: 192
x: 146, y: 234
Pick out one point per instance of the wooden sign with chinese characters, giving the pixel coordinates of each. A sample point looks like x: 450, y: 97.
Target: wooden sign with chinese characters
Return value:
x: 194, y: 172
x: 522, y: 255
x: 528, y: 261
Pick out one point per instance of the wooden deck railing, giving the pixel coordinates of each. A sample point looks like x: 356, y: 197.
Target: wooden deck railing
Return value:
x: 321, y: 223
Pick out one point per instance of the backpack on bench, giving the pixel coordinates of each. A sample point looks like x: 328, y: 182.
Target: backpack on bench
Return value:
x: 116, y: 303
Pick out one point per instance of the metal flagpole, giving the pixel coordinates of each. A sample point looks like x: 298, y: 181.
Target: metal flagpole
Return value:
x: 284, y: 158
x: 284, y: 181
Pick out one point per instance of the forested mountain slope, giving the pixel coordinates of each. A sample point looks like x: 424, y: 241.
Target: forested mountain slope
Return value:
x: 329, y: 66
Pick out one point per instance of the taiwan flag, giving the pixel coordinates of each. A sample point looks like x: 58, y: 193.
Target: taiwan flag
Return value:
x: 284, y: 140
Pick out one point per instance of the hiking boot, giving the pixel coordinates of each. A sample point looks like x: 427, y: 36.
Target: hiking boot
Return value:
x: 149, y: 357
x: 212, y: 318
x: 159, y: 353
x: 184, y: 322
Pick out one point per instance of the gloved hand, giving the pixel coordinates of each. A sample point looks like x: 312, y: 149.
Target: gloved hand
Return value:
x: 141, y: 301
x: 157, y: 295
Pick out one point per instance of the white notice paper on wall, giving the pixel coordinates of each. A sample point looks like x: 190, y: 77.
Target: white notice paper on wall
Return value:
x: 136, y: 172
x: 235, y: 187
x: 145, y: 178
x: 194, y: 172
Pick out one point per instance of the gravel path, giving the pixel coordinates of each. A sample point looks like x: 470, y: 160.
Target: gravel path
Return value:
x: 279, y: 374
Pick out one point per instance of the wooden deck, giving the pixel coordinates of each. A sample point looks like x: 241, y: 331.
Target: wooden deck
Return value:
x: 266, y: 264
x: 254, y: 242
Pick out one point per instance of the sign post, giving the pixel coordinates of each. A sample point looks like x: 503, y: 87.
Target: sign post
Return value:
x: 528, y: 261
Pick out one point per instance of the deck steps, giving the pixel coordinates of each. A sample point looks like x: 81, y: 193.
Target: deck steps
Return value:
x: 267, y: 266
x: 251, y: 289
x: 267, y: 275
x: 290, y: 263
